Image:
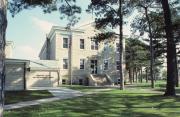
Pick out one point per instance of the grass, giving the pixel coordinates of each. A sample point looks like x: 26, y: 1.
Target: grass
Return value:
x: 160, y: 85
x: 114, y: 103
x: 18, y: 96
x: 83, y: 88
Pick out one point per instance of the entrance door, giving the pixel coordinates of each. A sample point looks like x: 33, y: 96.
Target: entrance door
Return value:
x: 93, y: 66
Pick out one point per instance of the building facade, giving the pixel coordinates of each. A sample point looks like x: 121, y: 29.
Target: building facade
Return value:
x: 8, y: 49
x: 81, y: 56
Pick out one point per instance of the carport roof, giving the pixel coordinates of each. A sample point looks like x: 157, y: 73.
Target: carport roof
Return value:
x: 17, y: 61
x: 44, y: 65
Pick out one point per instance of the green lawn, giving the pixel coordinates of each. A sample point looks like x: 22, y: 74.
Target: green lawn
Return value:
x: 84, y: 88
x: 18, y: 96
x: 114, y: 103
x: 158, y: 84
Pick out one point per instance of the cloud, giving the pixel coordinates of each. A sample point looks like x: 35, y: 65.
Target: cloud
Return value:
x: 25, y: 52
x: 43, y: 25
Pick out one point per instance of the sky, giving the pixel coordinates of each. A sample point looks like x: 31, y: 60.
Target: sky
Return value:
x: 28, y: 29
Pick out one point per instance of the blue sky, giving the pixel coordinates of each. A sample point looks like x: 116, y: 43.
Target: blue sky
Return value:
x: 28, y: 29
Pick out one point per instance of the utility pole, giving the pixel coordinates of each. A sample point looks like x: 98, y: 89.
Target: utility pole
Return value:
x: 70, y: 46
x: 70, y: 55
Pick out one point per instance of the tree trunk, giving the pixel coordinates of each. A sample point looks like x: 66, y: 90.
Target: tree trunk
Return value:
x: 177, y: 74
x: 133, y: 75
x: 139, y: 74
x: 171, y: 49
x: 136, y: 75
x: 141, y: 77
x: 146, y: 75
x: 3, y: 25
x: 121, y: 46
x: 130, y: 75
x: 151, y: 48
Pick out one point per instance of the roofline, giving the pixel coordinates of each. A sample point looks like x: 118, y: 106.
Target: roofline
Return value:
x: 27, y: 62
x: 43, y: 69
x: 23, y: 60
x: 60, y: 28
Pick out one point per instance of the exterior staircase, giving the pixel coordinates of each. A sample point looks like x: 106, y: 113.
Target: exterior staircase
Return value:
x: 99, y: 80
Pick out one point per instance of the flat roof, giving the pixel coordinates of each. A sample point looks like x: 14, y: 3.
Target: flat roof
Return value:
x: 44, y: 65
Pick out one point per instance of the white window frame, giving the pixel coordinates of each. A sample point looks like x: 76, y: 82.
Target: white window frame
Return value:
x: 82, y: 45
x: 66, y: 43
x: 83, y: 64
x: 117, y: 47
x: 104, y: 64
x: 117, y: 65
x: 64, y: 64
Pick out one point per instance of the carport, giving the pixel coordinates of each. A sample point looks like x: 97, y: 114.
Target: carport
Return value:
x: 16, y: 74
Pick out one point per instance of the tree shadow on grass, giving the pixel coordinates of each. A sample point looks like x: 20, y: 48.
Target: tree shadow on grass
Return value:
x: 102, y: 105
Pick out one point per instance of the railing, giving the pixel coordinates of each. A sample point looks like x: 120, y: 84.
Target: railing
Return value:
x: 91, y: 80
x: 109, y: 79
x: 100, y: 80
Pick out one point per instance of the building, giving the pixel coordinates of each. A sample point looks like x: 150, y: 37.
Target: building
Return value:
x: 25, y: 74
x: 81, y: 58
x: 8, y: 49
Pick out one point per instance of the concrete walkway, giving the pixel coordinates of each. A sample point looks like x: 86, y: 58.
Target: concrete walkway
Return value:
x: 58, y: 93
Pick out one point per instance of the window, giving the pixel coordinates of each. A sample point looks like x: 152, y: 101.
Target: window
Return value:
x: 105, y: 64
x: 65, y: 42
x: 81, y: 43
x: 106, y: 46
x: 94, y: 44
x: 119, y: 81
x: 80, y: 81
x: 117, y: 47
x: 65, y: 63
x: 82, y: 63
x: 117, y: 65
x: 63, y: 81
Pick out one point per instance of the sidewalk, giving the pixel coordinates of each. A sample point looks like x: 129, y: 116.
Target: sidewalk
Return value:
x: 59, y: 94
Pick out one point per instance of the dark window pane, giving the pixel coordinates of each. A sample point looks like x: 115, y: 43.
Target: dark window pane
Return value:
x: 82, y: 63
x: 81, y: 43
x: 65, y: 42
x: 65, y: 63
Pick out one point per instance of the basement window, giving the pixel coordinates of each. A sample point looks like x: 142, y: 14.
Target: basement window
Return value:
x: 63, y: 81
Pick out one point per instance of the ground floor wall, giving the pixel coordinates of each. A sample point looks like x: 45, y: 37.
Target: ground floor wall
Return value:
x: 20, y: 77
x: 42, y: 78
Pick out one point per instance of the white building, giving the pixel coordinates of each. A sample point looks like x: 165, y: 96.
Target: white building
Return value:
x: 81, y: 58
x: 8, y: 49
